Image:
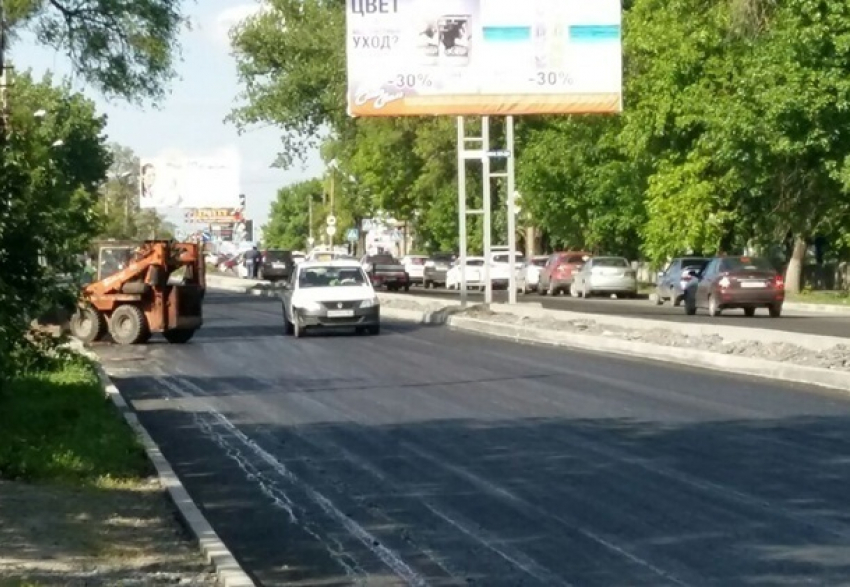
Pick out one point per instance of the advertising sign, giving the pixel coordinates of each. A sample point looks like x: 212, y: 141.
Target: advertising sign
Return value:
x: 205, y: 182
x: 213, y: 215
x: 477, y: 57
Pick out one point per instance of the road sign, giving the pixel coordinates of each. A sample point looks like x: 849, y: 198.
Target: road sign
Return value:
x: 503, y: 154
x: 352, y: 234
x: 331, y: 221
x: 331, y: 229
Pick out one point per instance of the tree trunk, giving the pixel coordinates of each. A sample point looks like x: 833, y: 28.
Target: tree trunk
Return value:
x: 794, y: 272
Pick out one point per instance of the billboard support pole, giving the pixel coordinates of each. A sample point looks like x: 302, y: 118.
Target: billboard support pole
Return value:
x: 487, y: 205
x: 461, y: 207
x: 511, y: 195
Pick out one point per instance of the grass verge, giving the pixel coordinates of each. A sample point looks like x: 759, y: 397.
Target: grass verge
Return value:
x: 839, y: 298
x: 58, y: 426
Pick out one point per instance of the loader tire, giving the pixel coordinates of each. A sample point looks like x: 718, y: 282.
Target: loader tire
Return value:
x: 88, y: 325
x: 178, y: 336
x: 127, y: 324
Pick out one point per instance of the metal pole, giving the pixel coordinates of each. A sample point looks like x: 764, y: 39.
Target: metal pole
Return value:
x: 486, y: 180
x: 461, y: 208
x: 310, y: 222
x: 509, y: 135
x: 330, y: 236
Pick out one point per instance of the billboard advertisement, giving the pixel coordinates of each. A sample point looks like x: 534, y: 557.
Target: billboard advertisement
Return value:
x: 212, y: 215
x: 197, y: 182
x: 477, y: 57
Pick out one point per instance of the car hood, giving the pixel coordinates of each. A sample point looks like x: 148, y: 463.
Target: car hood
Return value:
x: 340, y: 293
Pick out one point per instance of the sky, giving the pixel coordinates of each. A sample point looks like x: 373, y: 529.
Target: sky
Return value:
x: 191, y: 118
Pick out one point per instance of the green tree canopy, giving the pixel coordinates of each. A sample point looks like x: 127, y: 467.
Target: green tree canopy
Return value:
x: 288, y: 226
x: 124, y: 49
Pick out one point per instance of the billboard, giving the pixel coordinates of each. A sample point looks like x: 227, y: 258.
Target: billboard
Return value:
x: 196, y: 182
x: 477, y: 57
x: 212, y: 215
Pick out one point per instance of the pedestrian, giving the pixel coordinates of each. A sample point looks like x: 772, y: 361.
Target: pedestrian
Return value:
x: 253, y: 259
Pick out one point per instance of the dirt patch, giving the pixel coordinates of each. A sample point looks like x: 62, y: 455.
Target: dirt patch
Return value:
x: 128, y: 535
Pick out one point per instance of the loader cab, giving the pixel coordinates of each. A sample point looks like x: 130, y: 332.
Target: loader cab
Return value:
x: 113, y: 258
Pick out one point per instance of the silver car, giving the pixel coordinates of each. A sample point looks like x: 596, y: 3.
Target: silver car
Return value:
x: 605, y: 275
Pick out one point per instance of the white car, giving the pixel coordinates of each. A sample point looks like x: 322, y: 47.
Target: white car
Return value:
x: 330, y: 294
x: 499, y: 274
x: 529, y: 276
x: 415, y: 267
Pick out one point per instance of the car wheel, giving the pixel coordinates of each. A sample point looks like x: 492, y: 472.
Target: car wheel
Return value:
x: 713, y: 307
x: 428, y: 284
x: 775, y: 310
x: 659, y: 299
x: 375, y: 330
x: 749, y: 312
x: 677, y: 300
x: 551, y: 290
x: 287, y: 325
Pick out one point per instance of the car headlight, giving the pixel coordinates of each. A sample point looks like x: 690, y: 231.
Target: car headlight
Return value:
x: 370, y: 303
x: 311, y: 307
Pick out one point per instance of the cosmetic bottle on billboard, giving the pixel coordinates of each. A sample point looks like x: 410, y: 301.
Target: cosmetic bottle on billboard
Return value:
x: 455, y: 37
x: 428, y: 44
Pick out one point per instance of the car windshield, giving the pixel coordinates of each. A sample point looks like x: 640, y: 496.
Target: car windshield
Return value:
x: 746, y: 264
x: 505, y: 258
x: 694, y: 263
x: 610, y: 262
x: 417, y: 260
x: 331, y: 276
x: 443, y: 258
x: 278, y: 255
x: 573, y: 259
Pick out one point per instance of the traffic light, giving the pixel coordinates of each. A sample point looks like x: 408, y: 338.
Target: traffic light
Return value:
x: 249, y: 230
x: 242, y: 201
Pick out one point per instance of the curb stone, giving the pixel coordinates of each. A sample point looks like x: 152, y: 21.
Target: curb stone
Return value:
x: 753, y: 367
x: 227, y: 569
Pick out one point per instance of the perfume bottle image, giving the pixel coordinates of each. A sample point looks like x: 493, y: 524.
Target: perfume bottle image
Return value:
x: 455, y: 38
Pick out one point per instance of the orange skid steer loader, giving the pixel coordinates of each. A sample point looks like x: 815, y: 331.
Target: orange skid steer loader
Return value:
x: 137, y: 292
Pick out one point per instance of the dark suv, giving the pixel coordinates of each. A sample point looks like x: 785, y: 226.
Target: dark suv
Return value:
x: 276, y: 265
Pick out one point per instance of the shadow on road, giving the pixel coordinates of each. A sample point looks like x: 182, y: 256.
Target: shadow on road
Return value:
x: 594, y: 502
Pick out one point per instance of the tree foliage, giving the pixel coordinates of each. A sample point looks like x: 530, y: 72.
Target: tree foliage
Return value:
x: 288, y: 226
x: 51, y: 168
x: 124, y: 49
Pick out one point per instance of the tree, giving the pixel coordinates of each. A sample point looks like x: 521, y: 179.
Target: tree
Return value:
x: 293, y: 73
x: 124, y: 49
x: 288, y: 226
x: 118, y: 207
x: 51, y: 168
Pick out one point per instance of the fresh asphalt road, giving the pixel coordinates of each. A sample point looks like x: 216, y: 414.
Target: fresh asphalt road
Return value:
x: 823, y: 324
x: 430, y: 457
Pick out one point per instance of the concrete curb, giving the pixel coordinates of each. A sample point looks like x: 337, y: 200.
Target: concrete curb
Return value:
x: 834, y: 309
x: 228, y: 570
x: 754, y: 367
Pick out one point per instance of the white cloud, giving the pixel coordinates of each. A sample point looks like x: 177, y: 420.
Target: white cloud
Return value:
x: 232, y: 16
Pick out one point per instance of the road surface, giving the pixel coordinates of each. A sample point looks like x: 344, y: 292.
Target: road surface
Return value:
x: 823, y: 324
x: 430, y: 457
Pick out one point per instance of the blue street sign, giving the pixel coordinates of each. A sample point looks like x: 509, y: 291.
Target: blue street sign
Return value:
x: 352, y: 234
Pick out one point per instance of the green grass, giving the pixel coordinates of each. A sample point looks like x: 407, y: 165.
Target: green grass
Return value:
x: 820, y: 297
x: 59, y: 426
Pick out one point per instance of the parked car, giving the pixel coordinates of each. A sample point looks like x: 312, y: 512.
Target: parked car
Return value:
x: 474, y: 273
x: 386, y: 270
x: 330, y: 294
x: 275, y: 265
x: 605, y: 275
x: 436, y: 267
x: 671, y: 282
x: 529, y: 275
x: 559, y: 272
x: 415, y: 267
x: 742, y: 282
